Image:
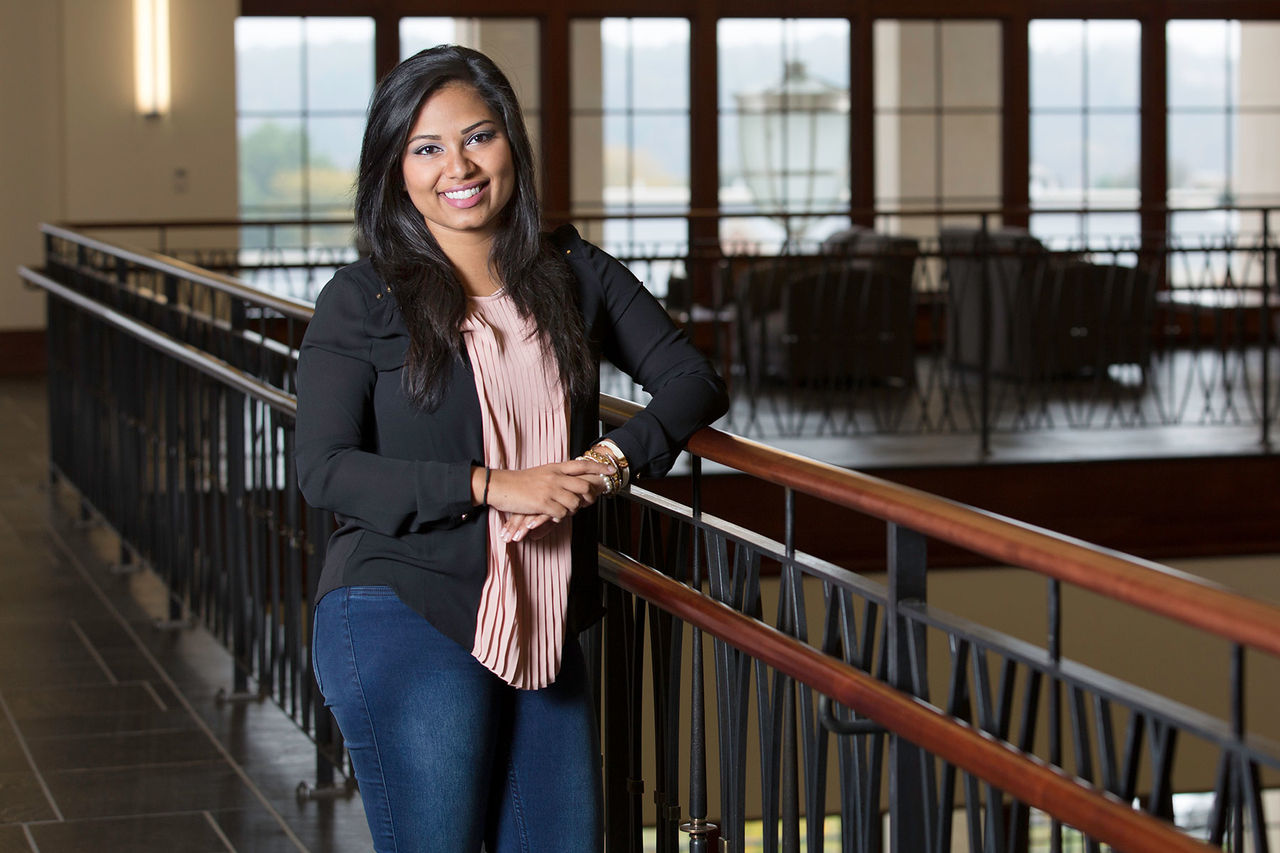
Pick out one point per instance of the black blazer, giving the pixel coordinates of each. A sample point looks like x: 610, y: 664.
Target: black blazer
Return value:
x: 398, y: 478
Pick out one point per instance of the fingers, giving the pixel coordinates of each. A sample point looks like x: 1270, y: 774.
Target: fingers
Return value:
x: 585, y: 466
x: 536, y: 498
x: 598, y: 483
x: 556, y: 491
x: 519, y: 526
x: 569, y: 495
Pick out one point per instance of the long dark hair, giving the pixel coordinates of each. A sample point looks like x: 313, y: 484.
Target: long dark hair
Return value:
x: 426, y: 286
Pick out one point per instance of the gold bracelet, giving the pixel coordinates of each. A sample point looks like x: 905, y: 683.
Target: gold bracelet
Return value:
x: 619, y: 459
x: 612, y: 482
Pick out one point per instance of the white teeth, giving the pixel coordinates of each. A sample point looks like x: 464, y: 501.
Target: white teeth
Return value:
x: 461, y: 194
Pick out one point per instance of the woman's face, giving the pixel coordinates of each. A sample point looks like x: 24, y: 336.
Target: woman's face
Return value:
x: 457, y: 165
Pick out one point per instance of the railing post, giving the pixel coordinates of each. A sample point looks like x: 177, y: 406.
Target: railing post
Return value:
x: 1237, y: 703
x: 984, y: 343
x: 621, y: 736
x: 53, y: 313
x: 1054, y: 647
x: 237, y: 547
x: 175, y: 571
x: 910, y: 811
x: 702, y: 833
x: 1264, y: 328
x: 325, y: 734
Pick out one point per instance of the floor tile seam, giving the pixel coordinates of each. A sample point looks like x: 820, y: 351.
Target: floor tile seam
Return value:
x: 151, y: 689
x: 197, y: 812
x: 46, y: 658
x: 222, y: 836
x: 46, y: 738
x: 26, y: 751
x: 82, y: 569
x: 93, y: 651
x: 31, y: 839
x: 34, y: 680
x: 187, y: 763
x: 96, y: 715
x: 144, y: 684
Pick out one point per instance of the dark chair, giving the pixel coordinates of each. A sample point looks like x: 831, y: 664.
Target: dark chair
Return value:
x: 1047, y: 315
x: 844, y: 317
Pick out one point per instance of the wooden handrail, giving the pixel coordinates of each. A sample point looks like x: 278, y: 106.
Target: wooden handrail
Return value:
x: 1097, y: 813
x: 1141, y: 583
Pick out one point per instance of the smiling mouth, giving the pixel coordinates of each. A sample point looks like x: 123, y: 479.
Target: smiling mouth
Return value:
x: 464, y: 194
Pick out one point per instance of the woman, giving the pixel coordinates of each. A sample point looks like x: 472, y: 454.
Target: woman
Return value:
x: 447, y: 392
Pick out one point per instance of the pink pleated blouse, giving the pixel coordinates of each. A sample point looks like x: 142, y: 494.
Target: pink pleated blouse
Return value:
x: 520, y: 627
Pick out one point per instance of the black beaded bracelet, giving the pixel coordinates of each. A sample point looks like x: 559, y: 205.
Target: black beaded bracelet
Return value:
x: 484, y: 500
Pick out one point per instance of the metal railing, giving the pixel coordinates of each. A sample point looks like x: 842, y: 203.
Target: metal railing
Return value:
x: 818, y: 700
x: 988, y: 338
x: 171, y: 413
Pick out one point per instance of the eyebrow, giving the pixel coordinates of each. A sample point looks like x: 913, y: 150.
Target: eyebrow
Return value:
x: 464, y: 132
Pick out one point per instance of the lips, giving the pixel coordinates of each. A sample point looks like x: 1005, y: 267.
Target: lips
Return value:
x: 465, y: 196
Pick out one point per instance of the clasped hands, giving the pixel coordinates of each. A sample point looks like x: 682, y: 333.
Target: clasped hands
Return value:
x: 532, y: 497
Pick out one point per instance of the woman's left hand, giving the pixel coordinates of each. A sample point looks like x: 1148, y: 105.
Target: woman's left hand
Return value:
x: 520, y: 526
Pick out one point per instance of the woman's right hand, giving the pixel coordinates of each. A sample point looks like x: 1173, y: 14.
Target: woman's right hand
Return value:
x: 519, y: 526
x: 557, y: 490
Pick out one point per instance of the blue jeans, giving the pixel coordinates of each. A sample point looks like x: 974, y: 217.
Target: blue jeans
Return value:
x: 447, y: 754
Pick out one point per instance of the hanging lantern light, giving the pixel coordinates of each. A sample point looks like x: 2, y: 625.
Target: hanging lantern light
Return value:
x: 794, y: 141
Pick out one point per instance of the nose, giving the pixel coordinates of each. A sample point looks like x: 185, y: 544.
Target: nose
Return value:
x: 459, y: 165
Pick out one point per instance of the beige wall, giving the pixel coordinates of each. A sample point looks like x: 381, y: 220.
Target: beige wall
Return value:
x: 31, y: 185
x: 83, y: 152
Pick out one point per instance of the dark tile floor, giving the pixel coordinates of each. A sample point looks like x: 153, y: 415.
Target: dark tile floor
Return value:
x: 111, y: 738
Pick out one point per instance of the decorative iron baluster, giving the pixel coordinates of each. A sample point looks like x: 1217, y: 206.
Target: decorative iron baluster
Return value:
x: 912, y: 809
x: 989, y: 719
x: 1082, y: 741
x: 666, y: 635
x: 701, y: 832
x: 1163, y: 737
x: 1055, y: 698
x: 958, y: 707
x: 727, y: 581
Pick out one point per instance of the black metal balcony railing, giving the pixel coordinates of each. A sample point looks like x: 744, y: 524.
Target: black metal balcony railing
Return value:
x: 829, y: 696
x: 982, y: 333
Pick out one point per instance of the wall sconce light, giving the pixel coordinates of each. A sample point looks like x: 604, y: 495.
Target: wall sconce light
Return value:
x: 151, y: 56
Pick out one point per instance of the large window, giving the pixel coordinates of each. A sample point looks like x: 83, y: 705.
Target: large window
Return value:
x: 1224, y: 115
x: 787, y: 134
x: 1085, y: 131
x: 630, y: 132
x: 784, y: 129
x: 938, y: 123
x: 302, y: 87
